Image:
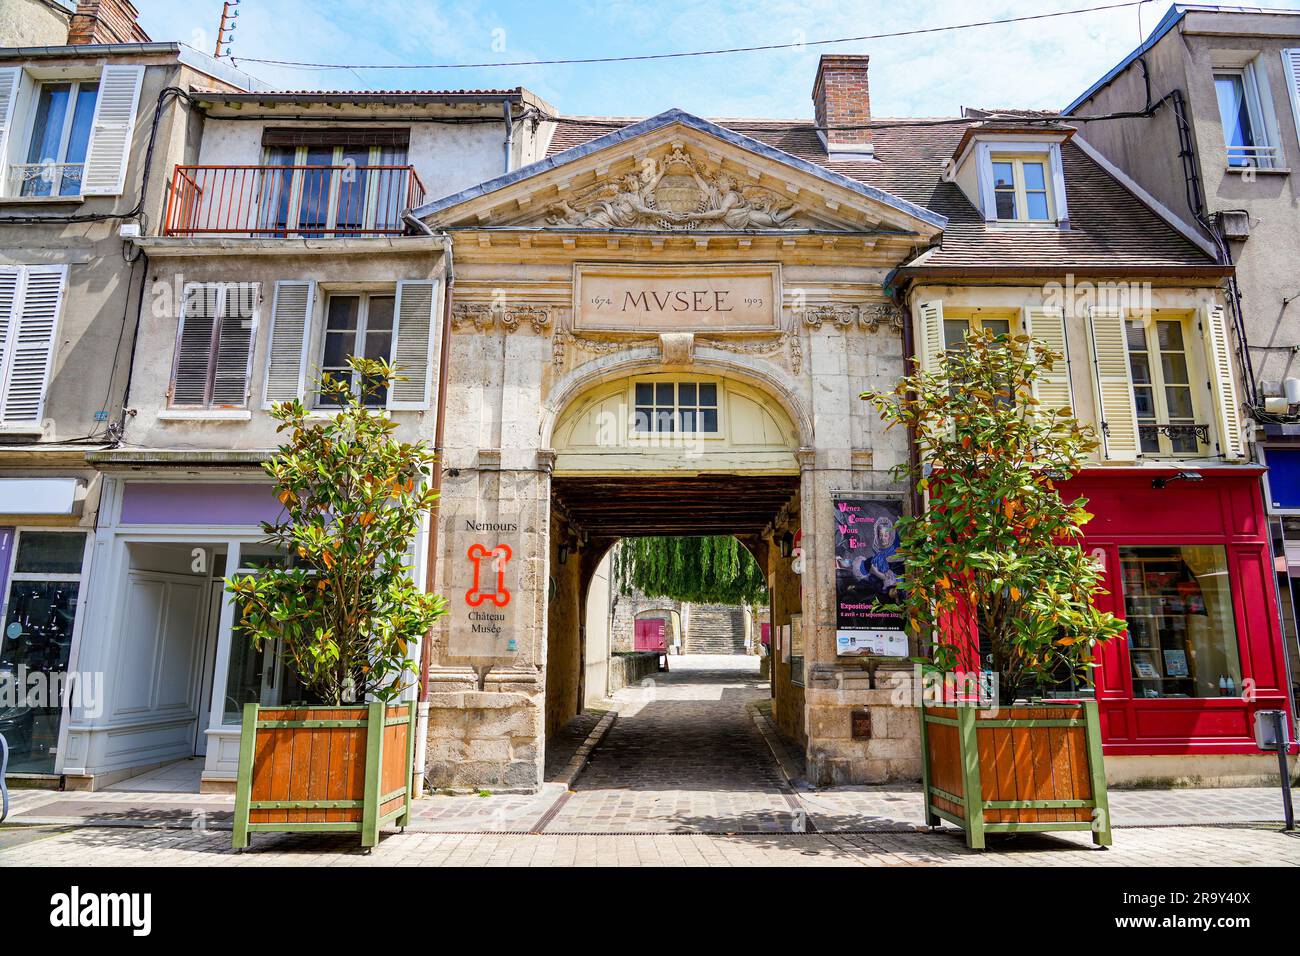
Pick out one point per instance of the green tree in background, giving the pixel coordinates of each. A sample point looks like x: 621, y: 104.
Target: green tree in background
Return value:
x: 704, y: 570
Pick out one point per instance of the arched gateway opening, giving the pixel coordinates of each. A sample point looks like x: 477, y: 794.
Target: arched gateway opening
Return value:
x: 648, y: 326
x: 654, y: 451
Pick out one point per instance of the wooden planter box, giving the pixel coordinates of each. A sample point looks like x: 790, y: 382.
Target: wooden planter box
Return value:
x: 324, y: 770
x: 1023, y: 768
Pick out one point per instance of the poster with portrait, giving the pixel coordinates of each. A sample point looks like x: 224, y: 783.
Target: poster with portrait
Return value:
x: 868, y: 574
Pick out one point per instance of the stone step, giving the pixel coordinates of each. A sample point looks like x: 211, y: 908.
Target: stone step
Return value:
x: 715, y: 629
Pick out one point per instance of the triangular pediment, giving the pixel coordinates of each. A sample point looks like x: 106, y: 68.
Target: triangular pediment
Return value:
x: 678, y: 173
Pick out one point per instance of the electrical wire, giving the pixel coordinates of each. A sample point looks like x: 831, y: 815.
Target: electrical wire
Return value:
x: 919, y: 31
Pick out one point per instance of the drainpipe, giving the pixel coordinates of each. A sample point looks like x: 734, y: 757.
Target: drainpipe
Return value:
x: 902, y: 298
x: 431, y: 551
x: 509, y: 146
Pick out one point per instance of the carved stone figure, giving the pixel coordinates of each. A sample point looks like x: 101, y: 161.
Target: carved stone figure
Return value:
x: 675, y: 192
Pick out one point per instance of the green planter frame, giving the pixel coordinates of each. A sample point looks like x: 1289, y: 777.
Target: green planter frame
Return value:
x: 373, y: 717
x: 973, y: 816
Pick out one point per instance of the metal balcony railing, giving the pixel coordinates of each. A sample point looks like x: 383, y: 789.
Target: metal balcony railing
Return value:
x: 44, y: 179
x: 1261, y: 157
x: 1175, y: 431
x: 1180, y: 438
x: 301, y: 201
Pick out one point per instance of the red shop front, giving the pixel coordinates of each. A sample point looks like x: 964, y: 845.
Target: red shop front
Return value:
x: 1188, y: 567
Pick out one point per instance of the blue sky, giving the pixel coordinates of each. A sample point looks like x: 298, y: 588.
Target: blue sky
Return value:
x: 1043, y: 64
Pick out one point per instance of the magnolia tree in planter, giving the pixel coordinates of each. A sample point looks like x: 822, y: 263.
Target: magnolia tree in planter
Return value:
x: 344, y: 613
x: 997, y: 547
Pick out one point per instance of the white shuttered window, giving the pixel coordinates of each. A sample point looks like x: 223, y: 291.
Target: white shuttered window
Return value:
x: 286, y: 363
x: 214, y: 345
x: 417, y: 305
x: 31, y: 298
x: 112, y: 130
x: 10, y: 83
x: 1291, y: 70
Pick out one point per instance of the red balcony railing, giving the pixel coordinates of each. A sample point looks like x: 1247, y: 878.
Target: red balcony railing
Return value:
x: 303, y: 201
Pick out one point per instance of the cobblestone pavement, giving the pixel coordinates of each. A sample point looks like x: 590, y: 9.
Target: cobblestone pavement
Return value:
x: 856, y: 808
x: 683, y: 777
x: 1169, y: 846
x: 683, y: 755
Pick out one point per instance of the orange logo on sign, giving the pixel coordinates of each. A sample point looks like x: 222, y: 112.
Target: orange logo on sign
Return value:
x: 501, y: 555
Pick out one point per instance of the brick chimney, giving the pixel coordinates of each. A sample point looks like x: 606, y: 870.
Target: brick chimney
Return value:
x: 105, y: 21
x: 841, y: 98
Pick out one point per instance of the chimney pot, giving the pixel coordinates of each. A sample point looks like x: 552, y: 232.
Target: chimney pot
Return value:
x: 841, y: 98
x: 105, y: 21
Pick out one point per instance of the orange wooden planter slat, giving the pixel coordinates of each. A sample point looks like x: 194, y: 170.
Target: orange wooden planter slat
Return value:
x: 312, y: 769
x: 1021, y: 768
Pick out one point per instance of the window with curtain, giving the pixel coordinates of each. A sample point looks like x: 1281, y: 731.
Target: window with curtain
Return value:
x: 333, y: 182
x: 1242, y: 113
x: 56, y: 151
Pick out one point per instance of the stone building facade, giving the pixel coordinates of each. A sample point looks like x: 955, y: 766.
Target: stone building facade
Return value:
x: 766, y: 274
x: 70, y: 286
x: 618, y: 328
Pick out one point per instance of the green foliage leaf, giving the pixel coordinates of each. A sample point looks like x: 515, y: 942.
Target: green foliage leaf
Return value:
x: 996, y: 543
x: 343, y: 604
x: 702, y: 570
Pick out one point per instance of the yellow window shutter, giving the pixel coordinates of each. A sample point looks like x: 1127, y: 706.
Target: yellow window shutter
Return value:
x: 1052, y: 389
x: 1114, y: 385
x: 1223, y: 384
x: 929, y: 334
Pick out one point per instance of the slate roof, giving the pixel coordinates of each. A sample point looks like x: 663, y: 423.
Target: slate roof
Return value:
x: 606, y: 136
x: 1110, y: 228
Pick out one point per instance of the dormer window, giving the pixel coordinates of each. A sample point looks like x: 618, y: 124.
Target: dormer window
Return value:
x: 1013, y: 174
x: 1021, y: 181
x: 1020, y: 188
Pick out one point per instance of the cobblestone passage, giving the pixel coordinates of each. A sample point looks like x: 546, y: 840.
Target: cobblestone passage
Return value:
x: 683, y: 756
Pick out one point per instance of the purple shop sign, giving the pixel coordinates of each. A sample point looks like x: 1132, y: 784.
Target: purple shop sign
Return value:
x: 181, y: 503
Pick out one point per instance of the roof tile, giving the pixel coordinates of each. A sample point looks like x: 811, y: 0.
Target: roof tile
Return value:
x: 1109, y: 226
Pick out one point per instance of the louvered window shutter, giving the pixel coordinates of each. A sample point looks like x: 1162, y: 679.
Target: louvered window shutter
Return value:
x: 10, y: 279
x: 194, y: 345
x: 9, y: 77
x: 286, y: 363
x: 929, y: 334
x: 1223, y: 383
x: 1113, y: 380
x: 1291, y: 70
x: 417, y: 304
x: 30, y: 343
x: 1052, y: 389
x: 112, y: 129
x: 236, y: 333
x: 214, y: 345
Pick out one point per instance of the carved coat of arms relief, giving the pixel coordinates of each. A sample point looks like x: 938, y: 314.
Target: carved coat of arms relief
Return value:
x: 674, y: 192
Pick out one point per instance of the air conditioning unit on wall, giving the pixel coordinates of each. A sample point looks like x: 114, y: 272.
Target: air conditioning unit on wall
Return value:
x: 1233, y: 224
